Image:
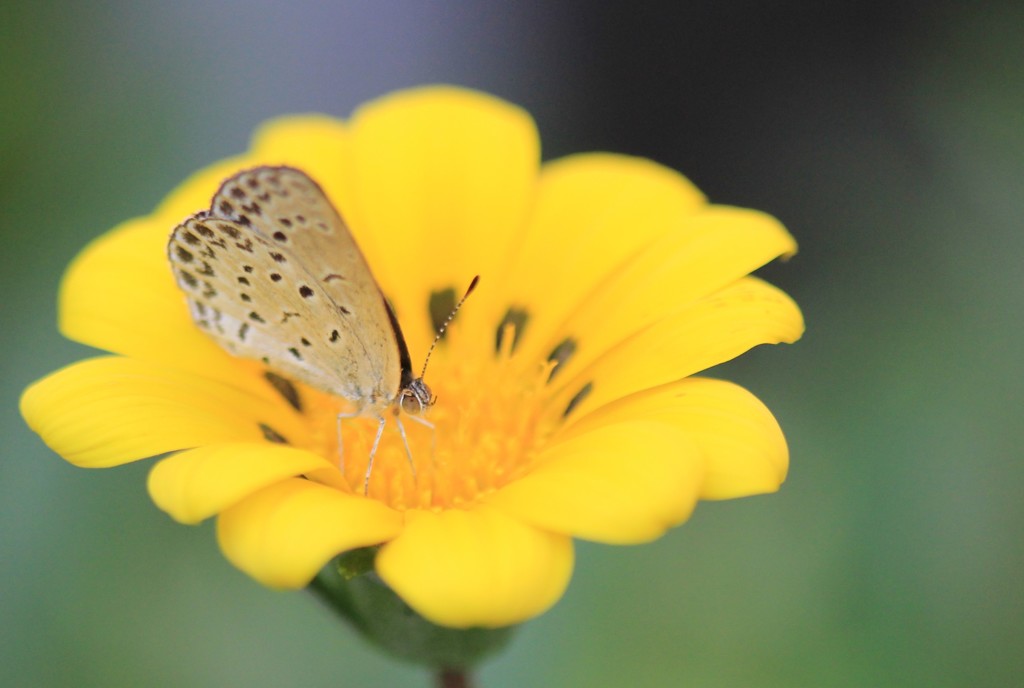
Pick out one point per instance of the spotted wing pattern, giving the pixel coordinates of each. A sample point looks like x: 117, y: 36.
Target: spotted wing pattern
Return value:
x: 271, y: 272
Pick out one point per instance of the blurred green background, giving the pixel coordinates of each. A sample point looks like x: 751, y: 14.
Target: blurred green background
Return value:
x: 889, y: 138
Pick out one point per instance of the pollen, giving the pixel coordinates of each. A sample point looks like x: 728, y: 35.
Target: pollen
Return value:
x: 487, y: 426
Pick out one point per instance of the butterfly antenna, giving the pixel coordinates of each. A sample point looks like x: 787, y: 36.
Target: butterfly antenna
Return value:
x: 447, y: 321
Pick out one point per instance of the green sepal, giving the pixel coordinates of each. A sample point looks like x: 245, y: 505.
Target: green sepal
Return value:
x: 349, y: 585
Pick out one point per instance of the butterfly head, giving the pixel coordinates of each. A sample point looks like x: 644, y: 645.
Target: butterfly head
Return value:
x: 415, y: 397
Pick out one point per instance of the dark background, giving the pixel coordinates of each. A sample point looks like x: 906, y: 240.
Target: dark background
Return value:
x: 887, y: 136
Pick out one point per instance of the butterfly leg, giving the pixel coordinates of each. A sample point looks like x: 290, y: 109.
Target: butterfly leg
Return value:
x: 341, y: 443
x: 405, y: 441
x: 373, y: 452
x: 433, y: 432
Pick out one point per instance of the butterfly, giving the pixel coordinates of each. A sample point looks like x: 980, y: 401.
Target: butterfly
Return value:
x: 271, y: 272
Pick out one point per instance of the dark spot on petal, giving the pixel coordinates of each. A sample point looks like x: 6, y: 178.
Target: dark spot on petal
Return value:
x: 247, y: 268
x: 335, y: 335
x: 278, y: 257
x: 560, y: 354
x: 184, y: 255
x: 257, y: 317
x: 295, y: 352
x: 284, y: 222
x: 243, y: 280
x: 204, y: 231
x: 287, y: 315
x: 190, y: 238
x: 208, y: 291
x: 334, y: 276
x: 440, y: 306
x: 272, y: 435
x: 243, y: 220
x: 245, y: 297
x: 275, y: 277
x: 580, y: 396
x: 305, y: 292
x: 238, y: 193
x: 344, y: 311
x: 226, y: 207
x: 517, y: 317
x: 285, y: 388
x: 206, y: 270
x: 242, y: 331
x: 200, y: 307
x: 306, y: 342
x: 245, y: 246
x: 252, y: 183
x: 301, y: 219
x: 280, y: 236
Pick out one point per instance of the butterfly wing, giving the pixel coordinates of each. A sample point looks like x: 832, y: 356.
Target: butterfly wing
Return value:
x: 271, y: 272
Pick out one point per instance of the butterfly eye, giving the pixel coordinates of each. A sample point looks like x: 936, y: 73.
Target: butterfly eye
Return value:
x: 416, y: 397
x: 411, y: 403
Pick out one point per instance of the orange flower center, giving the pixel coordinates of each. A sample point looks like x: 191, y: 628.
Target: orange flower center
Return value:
x: 486, y: 427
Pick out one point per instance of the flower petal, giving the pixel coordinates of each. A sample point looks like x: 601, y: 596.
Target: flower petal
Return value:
x: 438, y: 167
x: 316, y: 143
x: 194, y: 485
x: 108, y: 411
x: 741, y: 444
x: 475, y: 568
x: 708, y: 332
x: 592, y: 212
x: 283, y: 535
x: 709, y: 251
x: 313, y: 143
x: 620, y: 483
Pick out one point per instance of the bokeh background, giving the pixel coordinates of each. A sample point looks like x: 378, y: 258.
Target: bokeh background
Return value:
x: 889, y: 137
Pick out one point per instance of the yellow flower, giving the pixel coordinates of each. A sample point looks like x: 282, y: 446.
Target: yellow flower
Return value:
x: 566, y: 403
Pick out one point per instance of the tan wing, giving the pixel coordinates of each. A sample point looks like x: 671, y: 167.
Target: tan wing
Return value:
x: 272, y: 273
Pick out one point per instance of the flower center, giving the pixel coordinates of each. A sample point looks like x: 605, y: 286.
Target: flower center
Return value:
x: 482, y: 433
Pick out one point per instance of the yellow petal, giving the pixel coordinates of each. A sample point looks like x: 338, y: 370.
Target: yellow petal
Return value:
x: 620, y: 483
x: 593, y: 212
x: 313, y: 143
x: 709, y: 251
x: 108, y: 411
x: 475, y: 568
x: 710, y: 331
x: 195, y: 193
x: 441, y: 180
x: 316, y: 144
x: 194, y: 485
x: 740, y: 442
x: 284, y: 534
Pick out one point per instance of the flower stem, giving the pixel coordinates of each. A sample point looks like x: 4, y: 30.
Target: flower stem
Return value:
x: 453, y: 678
